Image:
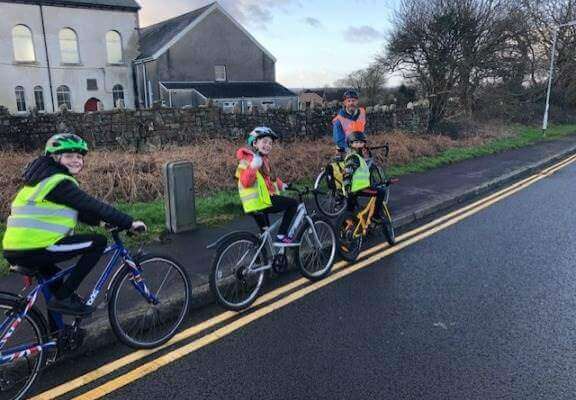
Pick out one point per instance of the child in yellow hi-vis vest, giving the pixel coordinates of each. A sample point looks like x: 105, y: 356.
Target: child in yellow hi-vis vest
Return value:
x: 258, y: 191
x: 357, y: 176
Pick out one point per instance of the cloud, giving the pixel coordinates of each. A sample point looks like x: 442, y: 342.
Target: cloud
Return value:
x: 313, y: 22
x: 363, y: 33
x: 253, y: 13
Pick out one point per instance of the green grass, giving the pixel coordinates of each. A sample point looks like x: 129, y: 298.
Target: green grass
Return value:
x: 225, y: 206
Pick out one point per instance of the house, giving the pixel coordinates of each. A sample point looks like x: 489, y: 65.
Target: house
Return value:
x: 309, y: 99
x: 326, y: 97
x: 73, y: 54
x: 206, y: 56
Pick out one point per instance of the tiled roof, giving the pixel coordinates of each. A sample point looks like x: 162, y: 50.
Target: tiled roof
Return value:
x: 233, y: 90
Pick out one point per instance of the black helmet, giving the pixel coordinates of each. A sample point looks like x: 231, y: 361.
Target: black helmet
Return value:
x: 355, y: 137
x: 350, y: 94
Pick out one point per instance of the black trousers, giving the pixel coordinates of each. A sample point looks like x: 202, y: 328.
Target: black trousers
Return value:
x: 380, y: 194
x: 88, y: 247
x: 279, y: 203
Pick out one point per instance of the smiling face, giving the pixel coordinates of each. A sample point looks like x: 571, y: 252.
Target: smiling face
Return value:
x: 358, y: 144
x: 351, y: 104
x: 264, y: 145
x: 74, y: 162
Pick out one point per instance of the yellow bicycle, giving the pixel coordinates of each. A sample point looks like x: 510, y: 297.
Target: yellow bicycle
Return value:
x: 352, y: 227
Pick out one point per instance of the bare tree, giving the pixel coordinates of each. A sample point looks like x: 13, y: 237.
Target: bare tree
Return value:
x: 369, y: 82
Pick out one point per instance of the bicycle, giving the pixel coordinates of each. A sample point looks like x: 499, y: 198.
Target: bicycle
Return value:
x: 353, y: 227
x: 140, y: 315
x: 329, y: 194
x: 242, y: 258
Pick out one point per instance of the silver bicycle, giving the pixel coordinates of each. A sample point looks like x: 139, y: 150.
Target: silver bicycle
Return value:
x: 242, y: 258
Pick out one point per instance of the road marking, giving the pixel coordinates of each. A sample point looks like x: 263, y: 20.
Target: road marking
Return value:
x: 183, y: 351
x: 225, y: 316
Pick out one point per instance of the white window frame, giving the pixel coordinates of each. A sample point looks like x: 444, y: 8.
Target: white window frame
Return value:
x: 39, y: 94
x: 15, y: 45
x: 64, y: 61
x: 108, y: 59
x: 116, y: 90
x: 67, y: 99
x: 20, y: 94
x: 220, y: 73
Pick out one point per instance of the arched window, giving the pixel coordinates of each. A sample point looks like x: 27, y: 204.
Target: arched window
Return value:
x: 39, y: 98
x: 69, y: 46
x: 114, y: 47
x: 23, y: 44
x: 117, y: 95
x: 63, y: 96
x: 20, y: 98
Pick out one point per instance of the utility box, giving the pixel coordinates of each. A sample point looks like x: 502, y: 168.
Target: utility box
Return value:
x: 179, y: 196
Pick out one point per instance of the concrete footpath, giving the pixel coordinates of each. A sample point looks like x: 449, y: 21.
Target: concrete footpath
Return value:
x: 415, y: 198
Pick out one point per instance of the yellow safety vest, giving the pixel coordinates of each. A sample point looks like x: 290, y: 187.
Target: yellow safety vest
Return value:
x: 361, y: 177
x: 36, y: 223
x: 256, y: 197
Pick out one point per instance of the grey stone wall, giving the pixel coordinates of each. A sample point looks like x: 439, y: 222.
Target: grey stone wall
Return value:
x: 141, y: 129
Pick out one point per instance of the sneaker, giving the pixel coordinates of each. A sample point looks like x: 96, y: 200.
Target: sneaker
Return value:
x: 284, y: 241
x: 72, y: 305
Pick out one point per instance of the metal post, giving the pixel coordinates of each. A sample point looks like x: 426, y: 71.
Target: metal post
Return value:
x: 545, y: 121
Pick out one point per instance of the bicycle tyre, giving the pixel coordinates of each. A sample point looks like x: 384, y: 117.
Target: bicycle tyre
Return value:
x: 348, y: 246
x: 324, y: 228
x: 176, y: 305
x: 236, y: 276
x: 38, y: 324
x: 388, y: 227
x: 329, y: 200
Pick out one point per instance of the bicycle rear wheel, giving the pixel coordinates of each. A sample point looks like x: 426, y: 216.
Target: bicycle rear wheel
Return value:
x: 388, y: 226
x: 328, y: 197
x: 23, y: 357
x: 233, y: 285
x: 141, y: 321
x: 349, y: 245
x: 316, y: 262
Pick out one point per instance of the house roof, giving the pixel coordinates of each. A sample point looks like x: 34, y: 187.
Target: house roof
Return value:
x: 232, y: 90
x: 156, y: 39
x: 128, y: 5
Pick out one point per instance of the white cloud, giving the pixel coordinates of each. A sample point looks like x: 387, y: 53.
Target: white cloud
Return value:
x: 362, y: 33
x: 313, y: 22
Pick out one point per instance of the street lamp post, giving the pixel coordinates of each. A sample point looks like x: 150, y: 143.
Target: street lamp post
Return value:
x: 552, y: 58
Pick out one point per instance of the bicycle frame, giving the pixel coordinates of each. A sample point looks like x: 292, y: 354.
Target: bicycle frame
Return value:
x: 120, y: 256
x: 365, y: 217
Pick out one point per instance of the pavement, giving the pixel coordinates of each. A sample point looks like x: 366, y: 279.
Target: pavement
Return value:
x: 414, y: 199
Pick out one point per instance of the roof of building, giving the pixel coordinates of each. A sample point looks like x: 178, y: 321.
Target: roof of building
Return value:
x: 158, y: 38
x: 329, y: 94
x: 154, y: 37
x: 232, y: 90
x: 128, y: 5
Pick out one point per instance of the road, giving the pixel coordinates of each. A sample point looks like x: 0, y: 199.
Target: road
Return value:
x: 482, y: 309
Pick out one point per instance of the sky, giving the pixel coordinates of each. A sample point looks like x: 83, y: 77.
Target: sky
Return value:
x: 315, y: 42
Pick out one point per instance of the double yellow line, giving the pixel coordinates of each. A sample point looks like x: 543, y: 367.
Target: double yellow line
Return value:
x: 282, y: 296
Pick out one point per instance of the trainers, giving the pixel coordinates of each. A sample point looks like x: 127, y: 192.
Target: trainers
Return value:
x: 284, y: 241
x: 72, y: 305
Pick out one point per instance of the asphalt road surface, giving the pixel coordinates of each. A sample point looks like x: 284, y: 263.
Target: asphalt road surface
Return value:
x: 484, y: 309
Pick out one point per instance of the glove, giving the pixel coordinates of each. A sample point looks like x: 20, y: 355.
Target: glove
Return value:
x: 256, y: 162
x: 138, y: 226
x: 285, y: 186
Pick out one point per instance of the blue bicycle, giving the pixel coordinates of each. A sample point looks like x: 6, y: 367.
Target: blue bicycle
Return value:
x: 148, y: 298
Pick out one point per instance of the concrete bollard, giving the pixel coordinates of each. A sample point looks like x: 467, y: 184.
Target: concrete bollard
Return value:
x: 179, y: 199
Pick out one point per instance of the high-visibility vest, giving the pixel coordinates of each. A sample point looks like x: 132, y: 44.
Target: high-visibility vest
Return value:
x: 349, y: 126
x: 361, y: 177
x: 36, y: 223
x: 256, y: 197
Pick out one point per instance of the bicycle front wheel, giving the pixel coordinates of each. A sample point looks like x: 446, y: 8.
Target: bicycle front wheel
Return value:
x: 317, y: 250
x: 388, y: 226
x: 349, y: 242
x: 23, y: 356
x: 146, y: 311
x: 328, y: 195
x: 237, y: 272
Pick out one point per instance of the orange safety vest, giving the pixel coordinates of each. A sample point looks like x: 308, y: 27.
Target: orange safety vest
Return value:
x: 349, y: 125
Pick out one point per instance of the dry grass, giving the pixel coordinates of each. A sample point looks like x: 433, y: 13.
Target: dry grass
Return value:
x: 124, y: 177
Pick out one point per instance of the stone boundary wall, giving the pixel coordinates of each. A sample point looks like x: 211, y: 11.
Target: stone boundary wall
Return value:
x: 137, y: 130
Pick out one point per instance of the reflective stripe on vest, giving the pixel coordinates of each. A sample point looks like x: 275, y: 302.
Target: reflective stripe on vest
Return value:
x: 349, y: 126
x: 35, y: 222
x: 361, y: 177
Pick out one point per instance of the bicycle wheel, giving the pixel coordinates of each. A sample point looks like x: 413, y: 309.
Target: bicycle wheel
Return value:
x: 316, y: 263
x: 18, y: 375
x: 329, y: 199
x: 348, y: 245
x: 144, y: 324
x: 233, y: 285
x: 388, y: 226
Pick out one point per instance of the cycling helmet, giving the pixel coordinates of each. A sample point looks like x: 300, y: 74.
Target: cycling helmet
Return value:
x: 355, y: 137
x: 350, y: 94
x: 260, y: 132
x: 65, y: 143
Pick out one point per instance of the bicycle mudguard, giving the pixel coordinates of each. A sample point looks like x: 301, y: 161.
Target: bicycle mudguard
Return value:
x: 225, y: 237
